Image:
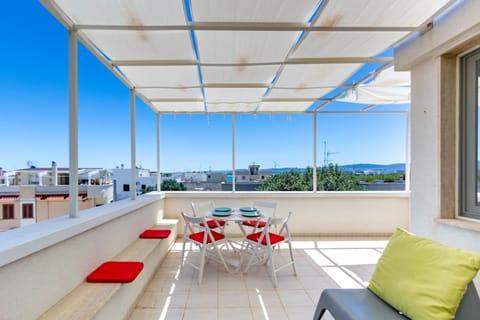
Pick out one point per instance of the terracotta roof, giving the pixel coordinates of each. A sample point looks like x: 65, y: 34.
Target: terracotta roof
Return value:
x: 58, y: 196
x: 8, y: 197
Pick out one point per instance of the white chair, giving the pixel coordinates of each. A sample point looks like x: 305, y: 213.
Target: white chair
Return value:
x: 196, y: 232
x: 261, y: 246
x: 267, y: 208
x: 199, y: 209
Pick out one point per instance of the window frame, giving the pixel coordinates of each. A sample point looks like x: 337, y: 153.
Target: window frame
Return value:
x: 469, y: 204
x: 11, y: 211
x: 30, y: 210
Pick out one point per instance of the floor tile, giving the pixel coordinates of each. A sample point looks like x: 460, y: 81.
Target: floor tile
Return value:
x: 235, y: 313
x: 320, y: 263
x: 200, y: 314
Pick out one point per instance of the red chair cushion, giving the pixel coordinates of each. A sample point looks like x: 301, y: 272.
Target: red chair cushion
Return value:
x: 116, y: 271
x: 200, y: 235
x: 212, y: 224
x: 155, y: 234
x: 253, y: 223
x: 274, y: 238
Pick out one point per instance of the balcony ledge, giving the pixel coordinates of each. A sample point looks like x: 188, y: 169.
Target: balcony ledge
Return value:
x: 287, y: 194
x: 18, y: 243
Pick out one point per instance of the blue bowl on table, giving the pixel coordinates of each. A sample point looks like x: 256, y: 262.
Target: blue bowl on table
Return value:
x: 222, y: 212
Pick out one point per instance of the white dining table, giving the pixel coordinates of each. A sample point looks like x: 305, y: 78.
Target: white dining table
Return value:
x: 237, y: 216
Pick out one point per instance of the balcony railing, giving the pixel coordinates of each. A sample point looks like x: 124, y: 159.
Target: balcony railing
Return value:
x: 47, y: 260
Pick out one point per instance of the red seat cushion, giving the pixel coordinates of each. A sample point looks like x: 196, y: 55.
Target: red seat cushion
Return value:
x: 274, y: 238
x: 116, y: 271
x: 155, y: 234
x: 212, y: 224
x: 199, y: 236
x: 253, y: 223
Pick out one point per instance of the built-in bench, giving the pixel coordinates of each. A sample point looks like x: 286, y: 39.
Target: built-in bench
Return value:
x: 362, y: 304
x: 116, y: 300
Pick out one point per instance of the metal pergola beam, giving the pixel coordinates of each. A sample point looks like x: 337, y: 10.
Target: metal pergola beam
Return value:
x: 296, y: 61
x: 245, y: 27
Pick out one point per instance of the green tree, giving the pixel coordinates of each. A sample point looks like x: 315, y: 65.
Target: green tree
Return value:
x: 285, y: 181
x: 172, y: 185
x: 329, y: 178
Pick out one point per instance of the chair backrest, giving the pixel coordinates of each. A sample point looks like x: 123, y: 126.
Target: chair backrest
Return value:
x: 199, y: 208
x: 276, y: 222
x: 268, y: 208
x: 192, y: 224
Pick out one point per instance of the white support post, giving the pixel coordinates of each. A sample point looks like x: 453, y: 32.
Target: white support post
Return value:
x: 133, y: 181
x: 314, y: 152
x: 159, y: 176
x: 233, y: 152
x: 407, y: 153
x: 73, y: 121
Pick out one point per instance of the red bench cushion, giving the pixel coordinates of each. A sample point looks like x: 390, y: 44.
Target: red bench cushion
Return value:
x: 155, y: 234
x: 116, y: 271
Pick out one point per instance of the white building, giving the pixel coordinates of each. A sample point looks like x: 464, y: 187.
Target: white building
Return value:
x: 122, y: 178
x: 34, y: 194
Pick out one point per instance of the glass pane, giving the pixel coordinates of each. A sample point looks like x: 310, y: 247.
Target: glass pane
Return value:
x: 273, y: 152
x: 195, y: 152
x: 469, y: 184
x: 361, y: 152
x: 477, y: 95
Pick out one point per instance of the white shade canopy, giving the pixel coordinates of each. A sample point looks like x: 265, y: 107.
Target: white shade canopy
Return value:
x: 389, y: 87
x: 249, y: 56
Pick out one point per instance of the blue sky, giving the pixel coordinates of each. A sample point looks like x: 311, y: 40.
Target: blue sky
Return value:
x: 34, y: 116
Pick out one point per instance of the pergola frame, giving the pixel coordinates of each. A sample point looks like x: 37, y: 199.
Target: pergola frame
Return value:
x: 77, y: 32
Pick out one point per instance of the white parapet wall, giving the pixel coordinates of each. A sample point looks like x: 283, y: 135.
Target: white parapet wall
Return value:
x: 323, y: 213
x: 45, y: 261
x: 40, y: 264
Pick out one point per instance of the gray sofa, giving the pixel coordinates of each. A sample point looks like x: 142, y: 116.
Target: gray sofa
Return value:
x: 362, y: 304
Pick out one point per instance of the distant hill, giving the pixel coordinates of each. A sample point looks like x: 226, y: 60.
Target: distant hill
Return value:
x: 355, y: 167
x: 382, y: 168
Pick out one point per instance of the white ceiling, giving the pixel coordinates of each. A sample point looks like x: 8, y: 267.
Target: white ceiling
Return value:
x: 275, y: 56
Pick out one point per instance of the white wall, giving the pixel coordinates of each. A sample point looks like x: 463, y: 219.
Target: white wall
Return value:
x: 40, y: 264
x: 458, y: 30
x: 330, y: 213
x: 425, y: 147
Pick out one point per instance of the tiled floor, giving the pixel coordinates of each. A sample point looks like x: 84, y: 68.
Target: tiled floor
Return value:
x: 326, y: 263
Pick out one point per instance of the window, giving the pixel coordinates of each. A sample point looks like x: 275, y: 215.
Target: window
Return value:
x: 8, y: 211
x: 63, y: 179
x: 126, y: 187
x: 470, y: 134
x: 33, y: 179
x: 27, y: 211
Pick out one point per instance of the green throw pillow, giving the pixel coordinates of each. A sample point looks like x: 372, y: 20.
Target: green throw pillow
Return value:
x: 421, y: 278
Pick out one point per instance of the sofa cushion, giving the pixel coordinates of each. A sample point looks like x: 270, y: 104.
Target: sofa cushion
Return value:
x: 422, y: 278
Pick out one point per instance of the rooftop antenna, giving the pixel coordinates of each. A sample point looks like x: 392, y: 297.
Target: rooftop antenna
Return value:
x: 326, y: 154
x: 31, y: 164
